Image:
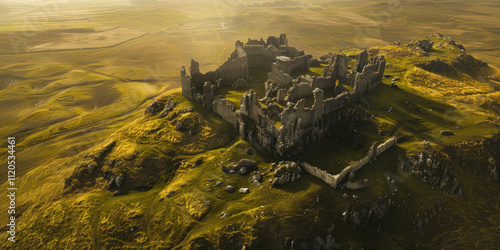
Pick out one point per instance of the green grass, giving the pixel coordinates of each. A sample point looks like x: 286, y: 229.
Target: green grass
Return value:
x: 257, y: 84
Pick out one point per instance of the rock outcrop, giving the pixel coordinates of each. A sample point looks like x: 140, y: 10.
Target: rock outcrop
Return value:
x: 285, y: 172
x: 243, y: 167
x: 434, y: 170
x: 369, y: 216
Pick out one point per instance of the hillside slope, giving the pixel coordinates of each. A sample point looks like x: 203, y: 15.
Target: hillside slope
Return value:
x: 158, y: 182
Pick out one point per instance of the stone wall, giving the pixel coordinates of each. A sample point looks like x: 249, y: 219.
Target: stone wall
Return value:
x: 336, y: 180
x: 335, y: 103
x: 319, y: 173
x: 371, y: 76
x: 337, y: 69
x: 301, y: 126
x: 259, y: 55
x: 372, y: 154
x: 225, y: 109
x: 293, y: 65
x: 299, y: 64
x: 298, y: 90
x: 187, y: 88
x: 323, y: 83
x: 235, y: 67
x: 278, y: 76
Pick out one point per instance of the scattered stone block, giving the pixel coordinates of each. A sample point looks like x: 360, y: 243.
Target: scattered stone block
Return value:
x: 230, y: 189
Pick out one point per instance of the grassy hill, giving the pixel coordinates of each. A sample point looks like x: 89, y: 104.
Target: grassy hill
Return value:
x: 65, y: 107
x: 170, y: 197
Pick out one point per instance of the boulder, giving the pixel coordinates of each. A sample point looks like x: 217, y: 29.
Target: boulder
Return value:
x: 243, y: 171
x: 119, y: 180
x: 394, y: 86
x: 446, y: 132
x: 180, y: 126
x: 249, y: 151
x: 425, y: 45
x: 356, y: 185
x: 152, y: 108
x: 230, y: 189
x: 257, y: 177
x: 286, y: 172
x: 247, y: 164
x: 168, y: 107
x: 188, y: 110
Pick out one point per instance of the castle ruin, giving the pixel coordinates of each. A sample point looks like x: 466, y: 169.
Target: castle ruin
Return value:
x: 280, y: 121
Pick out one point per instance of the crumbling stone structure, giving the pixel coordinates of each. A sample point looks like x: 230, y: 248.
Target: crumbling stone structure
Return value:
x: 280, y: 122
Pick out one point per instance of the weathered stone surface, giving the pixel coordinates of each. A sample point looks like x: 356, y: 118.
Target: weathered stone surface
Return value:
x: 374, y: 151
x: 116, y: 181
x: 257, y: 177
x: 286, y: 172
x: 188, y: 110
x: 435, y: 171
x: 179, y: 126
x: 243, y: 171
x: 369, y: 216
x: 468, y: 64
x: 170, y: 194
x: 154, y: 107
x: 224, y: 108
x: 194, y: 68
x: 169, y: 106
x: 282, y: 130
x: 439, y: 67
x: 319, y: 173
x: 425, y: 45
x: 243, y: 167
x: 356, y: 185
x: 239, y: 84
x: 394, y: 86
x: 119, y: 180
x: 230, y: 189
